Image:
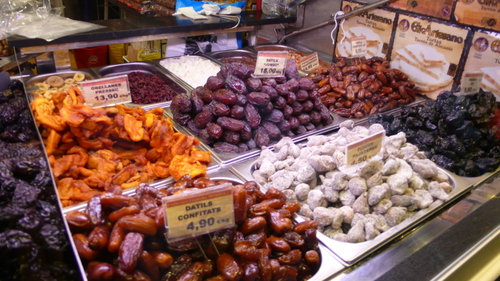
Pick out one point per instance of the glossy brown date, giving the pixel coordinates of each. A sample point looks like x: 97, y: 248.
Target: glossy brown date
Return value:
x: 98, y: 238
x: 130, y: 251
x: 228, y: 267
x: 138, y: 223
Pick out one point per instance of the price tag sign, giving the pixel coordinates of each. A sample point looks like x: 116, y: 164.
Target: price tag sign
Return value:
x: 106, y: 91
x: 364, y: 149
x: 309, y: 62
x: 270, y: 64
x: 358, y: 45
x: 471, y: 83
x: 199, y: 212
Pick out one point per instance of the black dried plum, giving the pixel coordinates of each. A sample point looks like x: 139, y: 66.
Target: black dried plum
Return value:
x: 53, y: 237
x: 25, y: 194
x: 31, y: 220
x: 14, y: 239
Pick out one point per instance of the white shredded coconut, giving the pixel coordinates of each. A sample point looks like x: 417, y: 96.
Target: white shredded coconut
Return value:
x: 194, y: 70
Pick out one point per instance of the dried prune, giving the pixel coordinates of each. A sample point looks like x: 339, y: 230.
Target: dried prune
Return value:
x: 202, y: 119
x: 219, y: 109
x: 214, y: 83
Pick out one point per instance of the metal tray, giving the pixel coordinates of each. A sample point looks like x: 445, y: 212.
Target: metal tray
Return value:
x: 330, y: 264
x: 31, y: 81
x: 353, y: 252
x: 144, y: 67
x: 235, y: 54
x: 227, y: 159
x: 182, y: 81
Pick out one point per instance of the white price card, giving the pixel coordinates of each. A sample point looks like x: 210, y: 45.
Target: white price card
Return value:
x: 309, y: 62
x: 106, y: 91
x: 270, y: 64
x: 364, y: 149
x: 358, y: 46
x: 471, y: 82
x: 199, y: 212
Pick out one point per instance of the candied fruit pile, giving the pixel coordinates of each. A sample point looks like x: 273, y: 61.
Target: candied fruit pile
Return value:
x: 33, y: 240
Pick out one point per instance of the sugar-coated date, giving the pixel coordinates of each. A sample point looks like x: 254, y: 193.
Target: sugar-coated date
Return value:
x: 101, y: 271
x: 147, y: 263
x: 228, y: 267
x: 130, y: 251
x: 193, y: 273
x: 250, y: 271
x: 253, y: 225
x: 138, y: 223
x: 98, y: 238
x: 82, y: 247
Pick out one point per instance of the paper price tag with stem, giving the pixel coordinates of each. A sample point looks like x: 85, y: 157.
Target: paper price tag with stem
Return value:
x: 270, y: 64
x: 106, y: 91
x: 199, y: 212
x: 364, y: 149
x: 358, y: 46
x: 471, y: 82
x: 309, y: 62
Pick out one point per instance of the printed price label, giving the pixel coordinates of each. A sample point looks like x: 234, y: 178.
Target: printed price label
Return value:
x: 270, y: 64
x: 358, y: 45
x: 471, y: 83
x: 199, y: 212
x: 106, y: 91
x: 364, y: 149
x: 309, y: 62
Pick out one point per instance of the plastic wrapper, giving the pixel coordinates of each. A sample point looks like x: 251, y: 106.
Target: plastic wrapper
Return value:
x: 37, y: 19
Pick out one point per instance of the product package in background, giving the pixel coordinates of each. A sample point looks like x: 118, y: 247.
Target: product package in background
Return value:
x: 376, y: 25
x: 484, y: 56
x: 480, y: 13
x: 429, y: 52
x: 435, y: 8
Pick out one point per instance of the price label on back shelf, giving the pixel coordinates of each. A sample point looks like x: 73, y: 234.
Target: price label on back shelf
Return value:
x: 358, y: 45
x: 364, y: 149
x: 199, y: 212
x: 270, y: 64
x: 106, y: 91
x: 471, y: 82
x: 309, y: 62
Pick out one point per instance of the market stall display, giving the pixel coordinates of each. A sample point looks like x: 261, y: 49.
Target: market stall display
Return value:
x: 92, y: 150
x: 194, y: 70
x: 359, y: 87
x: 453, y: 131
x: 125, y: 238
x: 235, y: 112
x: 48, y: 84
x: 33, y: 237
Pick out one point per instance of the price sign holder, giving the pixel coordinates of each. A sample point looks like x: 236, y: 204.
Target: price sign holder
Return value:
x: 106, y: 91
x: 270, y: 64
x: 309, y: 62
x: 358, y: 46
x: 364, y: 149
x: 199, y: 212
x: 471, y: 82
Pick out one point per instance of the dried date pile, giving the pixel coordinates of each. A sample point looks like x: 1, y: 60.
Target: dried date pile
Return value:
x: 33, y: 240
x: 122, y: 238
x: 362, y: 87
x: 235, y: 112
x: 453, y: 131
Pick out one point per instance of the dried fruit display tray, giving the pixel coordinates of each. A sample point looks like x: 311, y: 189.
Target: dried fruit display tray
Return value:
x: 330, y: 264
x: 353, y: 252
x: 31, y: 82
x: 226, y: 159
x: 149, y: 68
x: 239, y: 54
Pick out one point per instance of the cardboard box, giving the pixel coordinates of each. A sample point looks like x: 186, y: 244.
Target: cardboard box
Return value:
x: 480, y: 13
x: 435, y: 8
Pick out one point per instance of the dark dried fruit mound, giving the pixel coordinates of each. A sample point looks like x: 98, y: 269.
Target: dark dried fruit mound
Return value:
x: 453, y: 131
x: 147, y: 88
x: 33, y: 240
x: 235, y: 112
